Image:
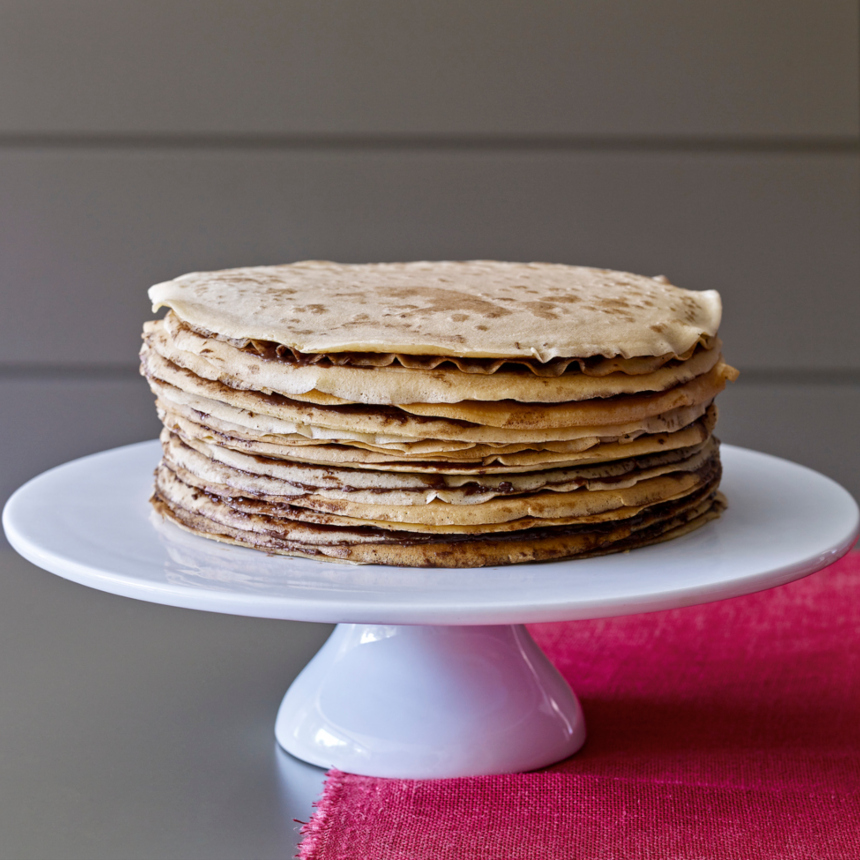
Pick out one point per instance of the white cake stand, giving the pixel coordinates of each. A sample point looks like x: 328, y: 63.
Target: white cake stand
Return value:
x: 429, y: 673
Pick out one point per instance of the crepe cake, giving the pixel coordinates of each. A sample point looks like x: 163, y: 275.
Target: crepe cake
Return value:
x: 444, y: 414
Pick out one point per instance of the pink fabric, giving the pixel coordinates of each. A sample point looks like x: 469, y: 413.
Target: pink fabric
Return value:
x: 730, y: 730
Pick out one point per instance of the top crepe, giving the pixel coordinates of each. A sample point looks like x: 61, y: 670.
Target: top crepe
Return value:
x: 480, y: 308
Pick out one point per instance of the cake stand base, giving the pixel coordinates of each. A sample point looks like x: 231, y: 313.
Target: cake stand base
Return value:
x: 426, y: 702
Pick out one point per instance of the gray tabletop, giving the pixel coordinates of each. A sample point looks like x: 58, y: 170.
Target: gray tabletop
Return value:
x: 131, y: 730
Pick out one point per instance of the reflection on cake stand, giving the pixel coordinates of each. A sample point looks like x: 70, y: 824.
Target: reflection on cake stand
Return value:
x: 429, y: 672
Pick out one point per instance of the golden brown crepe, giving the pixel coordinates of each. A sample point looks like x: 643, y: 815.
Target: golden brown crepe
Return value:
x: 436, y: 414
x: 478, y: 308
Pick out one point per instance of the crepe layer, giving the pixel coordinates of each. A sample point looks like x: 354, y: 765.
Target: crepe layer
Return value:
x: 477, y: 308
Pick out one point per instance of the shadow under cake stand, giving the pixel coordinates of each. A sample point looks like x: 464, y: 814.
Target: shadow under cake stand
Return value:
x: 430, y: 672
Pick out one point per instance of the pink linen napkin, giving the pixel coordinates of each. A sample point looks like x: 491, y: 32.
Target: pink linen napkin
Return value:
x: 730, y: 730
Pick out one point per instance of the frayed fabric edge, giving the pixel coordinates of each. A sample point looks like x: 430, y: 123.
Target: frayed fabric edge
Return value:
x: 314, y: 833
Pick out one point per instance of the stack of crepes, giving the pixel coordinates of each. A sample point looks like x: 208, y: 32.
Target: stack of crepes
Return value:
x: 453, y: 414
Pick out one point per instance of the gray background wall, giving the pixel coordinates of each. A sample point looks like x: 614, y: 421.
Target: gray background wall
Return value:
x: 716, y: 143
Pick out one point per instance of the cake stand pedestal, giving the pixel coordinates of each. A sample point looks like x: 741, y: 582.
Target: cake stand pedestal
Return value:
x: 430, y: 701
x: 429, y: 672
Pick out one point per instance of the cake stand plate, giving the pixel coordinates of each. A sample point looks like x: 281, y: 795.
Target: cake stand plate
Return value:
x: 429, y: 672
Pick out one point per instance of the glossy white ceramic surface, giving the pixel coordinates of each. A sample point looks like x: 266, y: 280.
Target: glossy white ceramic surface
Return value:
x: 90, y: 521
x: 428, y: 702
x: 470, y: 692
